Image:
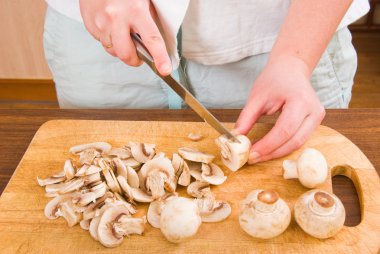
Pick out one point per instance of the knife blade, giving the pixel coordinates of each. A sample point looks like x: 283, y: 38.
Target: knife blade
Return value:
x: 194, y: 104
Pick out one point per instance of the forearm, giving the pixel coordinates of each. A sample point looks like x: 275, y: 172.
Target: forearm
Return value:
x: 307, y: 30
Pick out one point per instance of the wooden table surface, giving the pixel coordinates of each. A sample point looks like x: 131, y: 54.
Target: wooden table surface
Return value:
x: 17, y: 128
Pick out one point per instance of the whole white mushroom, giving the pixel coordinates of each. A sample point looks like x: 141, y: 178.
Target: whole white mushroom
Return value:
x: 311, y: 168
x: 180, y: 219
x: 265, y: 215
x: 319, y: 213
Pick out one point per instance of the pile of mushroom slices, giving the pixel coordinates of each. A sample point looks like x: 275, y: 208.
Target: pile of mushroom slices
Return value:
x: 100, y: 188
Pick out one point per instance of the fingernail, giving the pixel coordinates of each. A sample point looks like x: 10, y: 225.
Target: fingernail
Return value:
x: 254, y: 157
x: 235, y: 132
x: 166, y: 68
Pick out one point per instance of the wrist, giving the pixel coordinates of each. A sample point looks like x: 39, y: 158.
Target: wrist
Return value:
x: 290, y: 61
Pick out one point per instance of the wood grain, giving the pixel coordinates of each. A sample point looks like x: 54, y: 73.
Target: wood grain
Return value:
x: 17, y: 128
x: 48, y: 150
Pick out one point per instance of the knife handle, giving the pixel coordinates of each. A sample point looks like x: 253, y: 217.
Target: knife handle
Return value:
x: 142, y: 51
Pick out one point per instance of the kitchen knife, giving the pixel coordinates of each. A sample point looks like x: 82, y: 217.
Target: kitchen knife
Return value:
x: 190, y: 100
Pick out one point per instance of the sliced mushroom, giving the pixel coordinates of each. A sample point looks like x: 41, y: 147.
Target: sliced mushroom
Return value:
x: 142, y: 152
x: 195, y: 170
x: 69, y: 169
x: 155, y: 208
x: 185, y: 176
x: 219, y: 212
x: 213, y: 174
x: 57, y: 178
x: 91, y: 211
x: 73, y: 185
x: 265, y: 215
x: 141, y: 196
x: 180, y: 219
x: 133, y: 178
x: 94, y: 228
x: 310, y: 168
x: 85, y: 224
x: 83, y: 199
x: 195, y: 155
x: 121, y: 153
x: 319, y: 213
x: 127, y: 225
x: 88, y: 156
x: 199, y: 189
x: 234, y: 155
x: 99, y: 146
x: 99, y: 190
x: 109, y: 176
x: 158, y: 155
x: 127, y: 190
x: 112, y: 226
x: 156, y: 175
x: 91, y: 179
x: 132, y: 163
x: 195, y: 137
x: 69, y: 213
x: 52, y: 208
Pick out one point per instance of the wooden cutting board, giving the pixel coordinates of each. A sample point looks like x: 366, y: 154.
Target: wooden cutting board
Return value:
x: 24, y: 229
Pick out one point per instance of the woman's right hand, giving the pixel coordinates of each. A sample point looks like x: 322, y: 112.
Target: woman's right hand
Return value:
x: 112, y: 21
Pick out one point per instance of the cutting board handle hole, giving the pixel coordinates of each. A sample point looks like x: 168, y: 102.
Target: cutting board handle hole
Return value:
x: 346, y: 186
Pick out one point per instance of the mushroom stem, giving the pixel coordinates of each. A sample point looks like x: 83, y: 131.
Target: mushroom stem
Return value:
x: 290, y: 169
x: 322, y: 204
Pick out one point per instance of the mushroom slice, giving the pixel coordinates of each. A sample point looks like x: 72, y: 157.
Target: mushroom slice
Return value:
x: 88, y: 156
x: 113, y: 226
x: 85, y: 224
x: 127, y: 190
x: 121, y: 201
x: 52, y: 208
x: 265, y: 215
x: 82, y: 170
x: 142, y: 152
x: 141, y: 196
x: 132, y: 163
x: 194, y: 137
x: 51, y: 180
x: 91, y: 210
x: 127, y: 225
x: 99, y: 190
x: 155, y: 208
x: 310, y: 168
x: 219, y: 212
x: 234, y: 155
x: 158, y: 155
x: 90, y: 179
x: 213, y: 174
x: 185, y: 176
x: 73, y: 185
x: 180, y: 219
x: 69, y: 214
x: 195, y: 170
x: 156, y: 175
x: 121, y: 169
x: 199, y: 189
x: 69, y: 170
x: 319, y: 213
x: 94, y: 228
x: 195, y: 155
x: 121, y: 153
x: 83, y: 199
x: 99, y: 146
x: 133, y: 178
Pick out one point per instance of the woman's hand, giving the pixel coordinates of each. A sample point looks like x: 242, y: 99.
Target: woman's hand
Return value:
x: 112, y: 21
x: 284, y: 85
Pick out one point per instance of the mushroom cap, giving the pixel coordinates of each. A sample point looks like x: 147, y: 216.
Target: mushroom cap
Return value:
x: 264, y: 214
x: 319, y: 213
x: 85, y: 224
x: 234, y: 155
x: 180, y: 219
x: 213, y: 174
x: 155, y: 208
x: 195, y: 155
x: 106, y: 234
x: 312, y: 168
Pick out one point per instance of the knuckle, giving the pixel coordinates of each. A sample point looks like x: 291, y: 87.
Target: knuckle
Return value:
x: 298, y: 143
x: 285, y: 132
x: 138, y: 7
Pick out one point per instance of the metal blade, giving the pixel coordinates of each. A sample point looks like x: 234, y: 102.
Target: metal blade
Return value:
x: 190, y: 100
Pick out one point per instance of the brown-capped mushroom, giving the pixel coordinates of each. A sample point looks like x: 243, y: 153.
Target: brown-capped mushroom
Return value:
x: 234, y: 155
x: 319, y: 213
x: 142, y: 152
x: 213, y: 174
x: 311, y: 168
x: 195, y: 155
x: 180, y: 219
x: 265, y: 215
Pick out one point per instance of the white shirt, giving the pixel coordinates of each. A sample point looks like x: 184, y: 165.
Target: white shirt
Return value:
x: 219, y: 31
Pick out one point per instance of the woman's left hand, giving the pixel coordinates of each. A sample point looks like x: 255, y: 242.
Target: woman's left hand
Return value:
x: 284, y: 85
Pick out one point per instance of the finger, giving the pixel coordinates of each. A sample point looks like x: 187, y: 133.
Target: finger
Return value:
x: 106, y: 40
x: 249, y: 116
x: 286, y: 126
x: 298, y: 140
x: 123, y: 45
x: 153, y: 40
